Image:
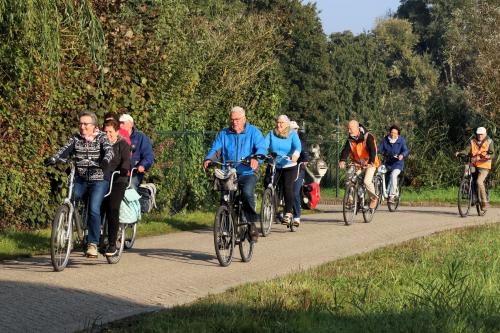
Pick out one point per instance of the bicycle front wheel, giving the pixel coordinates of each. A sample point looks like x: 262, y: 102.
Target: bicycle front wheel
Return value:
x: 245, y: 244
x: 393, y: 206
x: 379, y: 191
x: 464, y: 197
x: 224, y: 236
x: 349, y: 205
x: 130, y: 234
x: 60, y: 239
x: 266, y: 212
x: 120, y: 244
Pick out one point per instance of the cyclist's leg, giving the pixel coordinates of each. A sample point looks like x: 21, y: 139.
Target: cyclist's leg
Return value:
x: 113, y: 210
x: 296, y: 192
x: 97, y: 190
x: 481, y: 176
x: 247, y: 184
x: 370, y: 187
x: 393, y: 181
x: 289, y: 175
x: 80, y: 189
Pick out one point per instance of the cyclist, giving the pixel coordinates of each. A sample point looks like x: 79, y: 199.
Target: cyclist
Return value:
x: 92, y: 152
x: 481, y: 151
x: 361, y: 147
x: 282, y: 141
x: 395, y: 150
x: 304, y: 159
x: 142, y: 150
x: 237, y: 142
x: 121, y: 163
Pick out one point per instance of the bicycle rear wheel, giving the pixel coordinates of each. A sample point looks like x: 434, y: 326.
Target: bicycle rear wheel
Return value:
x: 464, y: 197
x: 60, y: 239
x: 266, y: 212
x: 245, y: 244
x: 224, y: 237
x: 130, y: 234
x: 120, y: 244
x: 349, y: 205
x: 379, y: 191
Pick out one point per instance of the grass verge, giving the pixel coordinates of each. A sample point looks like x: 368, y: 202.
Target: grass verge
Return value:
x: 16, y: 244
x: 448, y: 282
x: 424, y: 195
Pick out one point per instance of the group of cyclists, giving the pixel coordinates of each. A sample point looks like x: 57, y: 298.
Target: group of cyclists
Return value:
x: 242, y: 140
x: 119, y: 146
x: 97, y: 154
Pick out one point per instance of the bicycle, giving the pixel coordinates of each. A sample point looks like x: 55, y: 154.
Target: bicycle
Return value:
x: 273, y: 198
x: 467, y: 191
x: 130, y: 228
x: 230, y: 225
x: 354, y: 196
x: 69, y: 227
x: 381, y: 189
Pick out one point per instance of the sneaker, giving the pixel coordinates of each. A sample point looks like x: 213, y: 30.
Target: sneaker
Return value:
x: 254, y: 233
x: 91, y: 251
x: 373, y: 203
x: 287, y: 218
x: 391, y: 199
x: 296, y: 221
x: 111, y: 251
x: 485, y: 205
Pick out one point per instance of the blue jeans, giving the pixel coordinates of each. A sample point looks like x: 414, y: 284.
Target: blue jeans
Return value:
x: 247, y: 184
x: 297, y: 198
x: 96, y: 190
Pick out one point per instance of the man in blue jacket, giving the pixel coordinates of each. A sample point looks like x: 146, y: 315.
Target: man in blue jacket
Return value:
x: 237, y: 142
x: 394, y: 149
x: 142, y: 150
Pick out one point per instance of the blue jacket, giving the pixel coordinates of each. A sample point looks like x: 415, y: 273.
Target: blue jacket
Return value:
x: 284, y: 147
x: 142, y: 150
x: 231, y: 146
x: 390, y: 150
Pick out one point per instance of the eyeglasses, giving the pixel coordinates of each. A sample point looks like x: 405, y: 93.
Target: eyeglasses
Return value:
x: 86, y: 124
x: 237, y: 119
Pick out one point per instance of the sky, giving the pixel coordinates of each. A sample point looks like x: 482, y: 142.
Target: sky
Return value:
x: 354, y: 15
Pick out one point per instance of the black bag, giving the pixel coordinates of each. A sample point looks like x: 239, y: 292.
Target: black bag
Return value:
x: 148, y: 197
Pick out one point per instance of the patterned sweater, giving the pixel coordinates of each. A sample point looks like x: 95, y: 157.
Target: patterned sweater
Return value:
x: 91, y: 157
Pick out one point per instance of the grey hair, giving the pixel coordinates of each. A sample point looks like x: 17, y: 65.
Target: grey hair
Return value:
x: 237, y: 109
x: 283, y: 117
x: 89, y: 114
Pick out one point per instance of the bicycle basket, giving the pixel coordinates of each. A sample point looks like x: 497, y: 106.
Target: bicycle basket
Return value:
x: 225, y: 180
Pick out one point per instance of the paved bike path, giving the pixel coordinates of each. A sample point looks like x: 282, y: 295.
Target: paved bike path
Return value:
x: 178, y: 268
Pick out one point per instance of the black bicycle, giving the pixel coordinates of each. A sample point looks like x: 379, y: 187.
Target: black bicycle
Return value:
x: 467, y: 191
x: 355, y: 195
x: 231, y: 226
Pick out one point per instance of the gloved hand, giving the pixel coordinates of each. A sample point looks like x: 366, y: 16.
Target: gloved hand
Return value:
x: 49, y: 161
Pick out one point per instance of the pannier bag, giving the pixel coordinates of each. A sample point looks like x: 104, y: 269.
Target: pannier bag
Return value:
x: 225, y: 180
x: 148, y: 197
x: 130, y: 208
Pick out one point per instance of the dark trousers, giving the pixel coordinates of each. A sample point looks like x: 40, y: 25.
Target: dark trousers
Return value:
x: 247, y: 184
x: 296, y: 192
x: 113, y: 209
x: 287, y: 178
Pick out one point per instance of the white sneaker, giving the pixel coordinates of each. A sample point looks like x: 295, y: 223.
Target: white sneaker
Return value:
x: 296, y: 221
x: 287, y: 218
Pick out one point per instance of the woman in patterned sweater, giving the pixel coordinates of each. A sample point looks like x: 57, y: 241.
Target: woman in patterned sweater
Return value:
x: 92, y: 152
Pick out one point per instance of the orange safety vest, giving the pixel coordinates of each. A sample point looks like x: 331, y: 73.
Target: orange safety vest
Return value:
x: 359, y: 153
x: 481, y: 151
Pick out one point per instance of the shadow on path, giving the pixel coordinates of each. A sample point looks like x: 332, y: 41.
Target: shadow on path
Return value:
x: 185, y: 256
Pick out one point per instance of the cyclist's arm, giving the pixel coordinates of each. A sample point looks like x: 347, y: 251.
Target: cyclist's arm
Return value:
x: 147, y: 155
x: 67, y: 149
x: 108, y: 151
x: 260, y: 143
x: 404, y: 148
x: 296, y: 147
x: 216, y: 146
x: 372, y: 150
x: 344, y: 155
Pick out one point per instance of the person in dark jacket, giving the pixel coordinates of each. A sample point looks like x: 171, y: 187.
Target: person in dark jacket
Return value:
x: 394, y: 149
x: 121, y: 163
x: 142, y: 150
x: 92, y: 153
x: 361, y: 147
x: 304, y: 158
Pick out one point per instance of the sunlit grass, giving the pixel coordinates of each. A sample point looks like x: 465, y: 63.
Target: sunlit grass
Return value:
x: 447, y: 282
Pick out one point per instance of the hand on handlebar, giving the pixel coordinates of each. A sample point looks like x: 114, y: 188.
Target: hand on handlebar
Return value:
x: 49, y: 161
x: 206, y: 164
x: 342, y: 164
x: 254, y: 163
